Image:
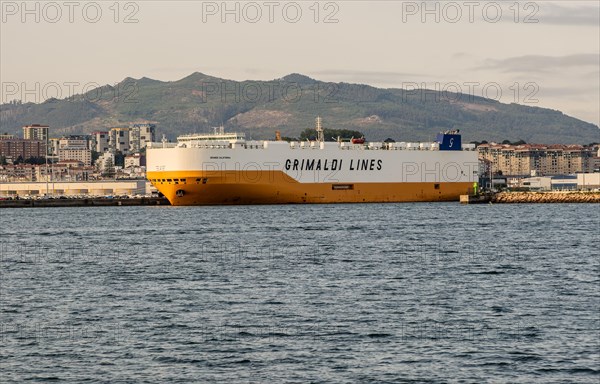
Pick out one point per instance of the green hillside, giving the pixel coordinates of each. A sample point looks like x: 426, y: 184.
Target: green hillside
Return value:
x: 290, y: 104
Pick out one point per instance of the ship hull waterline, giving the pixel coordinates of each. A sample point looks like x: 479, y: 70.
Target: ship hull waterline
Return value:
x: 276, y: 187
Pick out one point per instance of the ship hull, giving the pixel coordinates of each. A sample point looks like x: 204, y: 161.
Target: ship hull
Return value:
x: 276, y: 187
x: 280, y: 173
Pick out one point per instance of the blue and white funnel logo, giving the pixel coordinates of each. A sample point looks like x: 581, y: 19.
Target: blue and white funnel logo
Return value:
x: 449, y: 141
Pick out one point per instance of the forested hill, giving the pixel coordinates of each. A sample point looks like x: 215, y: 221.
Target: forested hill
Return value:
x: 290, y: 104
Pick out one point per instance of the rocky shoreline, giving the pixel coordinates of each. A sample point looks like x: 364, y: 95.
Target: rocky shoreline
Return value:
x: 546, y: 197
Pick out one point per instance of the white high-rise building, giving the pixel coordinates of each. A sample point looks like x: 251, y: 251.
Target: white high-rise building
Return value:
x: 131, y: 139
x: 100, y: 141
x: 119, y: 140
x: 140, y: 136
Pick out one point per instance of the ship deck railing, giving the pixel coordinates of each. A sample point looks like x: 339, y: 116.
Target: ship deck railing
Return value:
x: 303, y: 145
x: 209, y: 136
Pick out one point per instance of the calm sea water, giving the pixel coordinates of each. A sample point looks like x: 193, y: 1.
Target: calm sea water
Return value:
x: 304, y: 293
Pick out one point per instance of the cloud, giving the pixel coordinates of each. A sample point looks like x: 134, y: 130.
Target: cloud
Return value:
x: 541, y: 63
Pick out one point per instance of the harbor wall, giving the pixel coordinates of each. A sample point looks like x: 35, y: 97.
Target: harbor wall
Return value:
x: 97, y: 188
x: 90, y: 202
x: 546, y: 197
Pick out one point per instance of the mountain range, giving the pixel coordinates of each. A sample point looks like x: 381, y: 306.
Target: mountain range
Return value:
x: 290, y: 104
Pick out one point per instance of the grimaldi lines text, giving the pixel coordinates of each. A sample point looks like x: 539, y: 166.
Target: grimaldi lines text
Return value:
x: 225, y: 168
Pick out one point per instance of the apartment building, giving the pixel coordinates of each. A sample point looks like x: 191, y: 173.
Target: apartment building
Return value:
x: 521, y: 160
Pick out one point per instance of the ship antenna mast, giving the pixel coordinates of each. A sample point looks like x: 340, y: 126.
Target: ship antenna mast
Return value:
x: 319, y: 129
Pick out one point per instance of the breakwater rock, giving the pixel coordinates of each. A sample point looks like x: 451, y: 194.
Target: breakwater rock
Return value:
x: 546, y: 197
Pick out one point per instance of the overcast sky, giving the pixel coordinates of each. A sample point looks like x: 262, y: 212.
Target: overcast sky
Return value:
x: 543, y: 53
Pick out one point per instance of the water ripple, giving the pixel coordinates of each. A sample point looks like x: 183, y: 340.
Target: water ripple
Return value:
x: 374, y: 293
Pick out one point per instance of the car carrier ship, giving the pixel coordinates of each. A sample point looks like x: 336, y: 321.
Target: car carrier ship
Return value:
x: 225, y: 168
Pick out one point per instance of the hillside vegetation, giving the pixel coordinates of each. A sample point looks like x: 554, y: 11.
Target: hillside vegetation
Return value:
x: 290, y: 105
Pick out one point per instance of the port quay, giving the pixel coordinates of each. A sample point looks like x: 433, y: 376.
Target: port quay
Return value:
x: 78, y: 194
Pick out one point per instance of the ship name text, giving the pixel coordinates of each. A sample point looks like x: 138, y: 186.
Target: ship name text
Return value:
x: 333, y: 165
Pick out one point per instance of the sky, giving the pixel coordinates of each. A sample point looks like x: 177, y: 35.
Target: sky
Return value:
x: 535, y: 53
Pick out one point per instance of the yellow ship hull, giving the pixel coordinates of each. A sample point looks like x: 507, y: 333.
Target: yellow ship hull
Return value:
x: 276, y: 187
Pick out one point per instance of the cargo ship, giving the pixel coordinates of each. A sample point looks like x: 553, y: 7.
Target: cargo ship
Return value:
x: 225, y: 168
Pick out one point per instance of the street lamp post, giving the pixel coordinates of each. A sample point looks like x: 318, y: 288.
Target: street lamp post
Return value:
x: 46, y: 165
x: 491, y: 175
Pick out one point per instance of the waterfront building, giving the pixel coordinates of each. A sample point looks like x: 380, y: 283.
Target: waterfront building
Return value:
x: 588, y: 181
x: 12, y: 149
x: 135, y: 160
x: 92, y: 188
x: 522, y: 160
x: 119, y: 140
x: 19, y: 172
x: 82, y: 155
x: 100, y: 141
x: 53, y: 145
x: 73, y: 142
x: 36, y: 132
x: 580, y: 181
x: 105, y: 161
x: 140, y: 136
x: 74, y: 148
